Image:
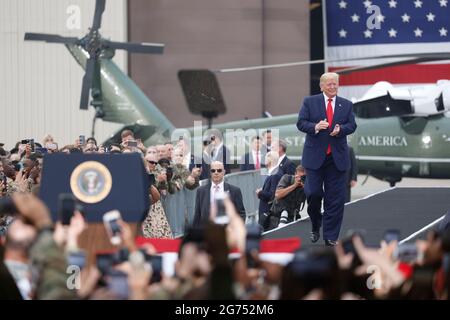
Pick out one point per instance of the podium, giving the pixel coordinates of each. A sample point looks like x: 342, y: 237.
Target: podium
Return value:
x: 101, y: 183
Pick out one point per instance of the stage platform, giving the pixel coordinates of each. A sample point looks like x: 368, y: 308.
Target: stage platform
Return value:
x: 411, y: 210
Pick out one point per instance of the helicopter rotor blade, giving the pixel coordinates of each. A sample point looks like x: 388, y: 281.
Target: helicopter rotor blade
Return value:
x: 87, y: 83
x: 51, y: 38
x: 434, y: 56
x: 143, y: 47
x: 99, y: 9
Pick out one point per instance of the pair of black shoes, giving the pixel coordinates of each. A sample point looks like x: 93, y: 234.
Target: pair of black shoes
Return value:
x: 315, y: 236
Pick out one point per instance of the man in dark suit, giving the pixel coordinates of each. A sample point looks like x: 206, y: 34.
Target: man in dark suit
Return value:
x: 327, y: 120
x: 285, y: 165
x: 266, y: 194
x: 217, y: 151
x: 254, y: 160
x: 206, y: 194
x: 267, y: 140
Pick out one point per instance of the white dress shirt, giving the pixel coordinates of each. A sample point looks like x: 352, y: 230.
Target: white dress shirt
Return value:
x: 214, y: 191
x: 254, y: 158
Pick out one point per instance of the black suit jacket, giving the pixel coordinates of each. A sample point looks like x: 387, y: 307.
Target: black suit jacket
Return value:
x: 203, y: 202
x: 267, y: 193
x: 287, y: 166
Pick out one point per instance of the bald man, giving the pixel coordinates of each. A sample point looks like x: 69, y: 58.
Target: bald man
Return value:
x: 205, y: 194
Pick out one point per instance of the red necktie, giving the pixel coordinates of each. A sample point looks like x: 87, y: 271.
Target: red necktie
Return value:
x: 257, y: 164
x: 329, y: 119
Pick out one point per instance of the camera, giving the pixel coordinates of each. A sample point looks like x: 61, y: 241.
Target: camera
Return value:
x: 169, y: 173
x: 151, y: 179
x: 82, y: 140
x: 252, y: 244
x: 30, y: 142
x: 51, y: 146
x: 132, y: 143
x: 157, y: 265
x: 66, y: 207
x: 105, y: 262
x: 303, y: 179
x: 32, y: 145
x: 446, y: 263
x: 406, y: 252
x: 391, y: 235
x: 348, y: 247
x: 42, y: 150
x: 221, y: 213
x: 77, y: 258
x: 7, y: 206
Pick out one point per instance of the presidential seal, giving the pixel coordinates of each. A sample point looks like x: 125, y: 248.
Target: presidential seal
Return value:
x: 91, y: 182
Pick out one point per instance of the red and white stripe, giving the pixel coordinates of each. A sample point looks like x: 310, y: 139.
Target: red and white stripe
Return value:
x: 277, y: 251
x: 354, y: 85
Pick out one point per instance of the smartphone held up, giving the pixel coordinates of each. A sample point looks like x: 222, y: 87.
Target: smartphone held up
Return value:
x: 110, y: 220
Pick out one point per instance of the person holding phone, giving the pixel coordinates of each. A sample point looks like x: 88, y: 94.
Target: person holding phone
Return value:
x: 327, y: 120
x: 155, y: 224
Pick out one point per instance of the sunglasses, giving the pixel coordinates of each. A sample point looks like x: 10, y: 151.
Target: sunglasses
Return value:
x: 152, y: 162
x: 216, y: 170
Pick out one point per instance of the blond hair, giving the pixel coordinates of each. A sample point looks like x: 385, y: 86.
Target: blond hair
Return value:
x: 329, y: 75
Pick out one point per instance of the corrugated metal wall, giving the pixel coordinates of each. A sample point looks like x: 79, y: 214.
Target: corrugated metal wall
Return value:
x: 40, y: 83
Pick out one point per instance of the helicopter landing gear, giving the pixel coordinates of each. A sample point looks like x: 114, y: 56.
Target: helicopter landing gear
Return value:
x: 392, y: 181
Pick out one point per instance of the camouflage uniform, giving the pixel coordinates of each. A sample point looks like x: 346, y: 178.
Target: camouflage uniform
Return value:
x: 180, y: 175
x: 51, y: 265
x: 13, y: 186
x: 163, y: 185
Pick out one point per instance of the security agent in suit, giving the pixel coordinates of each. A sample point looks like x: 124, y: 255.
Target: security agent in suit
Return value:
x: 352, y: 174
x: 254, y: 160
x: 327, y: 120
x: 205, y: 195
x: 285, y: 165
x: 217, y: 151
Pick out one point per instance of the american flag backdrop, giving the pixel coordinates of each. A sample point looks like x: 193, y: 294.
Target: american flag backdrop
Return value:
x: 405, y: 26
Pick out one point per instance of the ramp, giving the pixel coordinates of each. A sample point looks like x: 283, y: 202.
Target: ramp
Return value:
x: 411, y: 210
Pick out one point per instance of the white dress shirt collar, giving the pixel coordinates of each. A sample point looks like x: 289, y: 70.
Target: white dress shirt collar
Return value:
x: 333, y: 101
x: 281, y: 159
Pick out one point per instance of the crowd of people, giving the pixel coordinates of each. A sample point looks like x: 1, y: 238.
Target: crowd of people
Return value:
x: 37, y: 256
